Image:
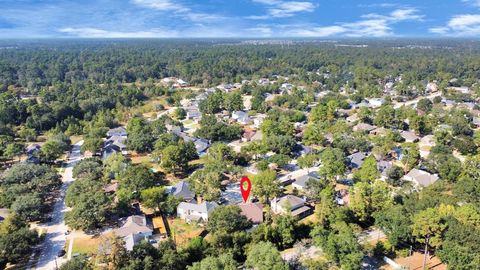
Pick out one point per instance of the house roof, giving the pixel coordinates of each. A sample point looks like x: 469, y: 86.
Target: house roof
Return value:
x: 134, y: 225
x: 421, y: 177
x: 357, y: 158
x: 364, y: 127
x: 204, y: 207
x: 409, y: 136
x: 201, y: 145
x: 253, y: 211
x: 182, y: 190
x: 302, y: 180
x: 33, y: 147
x: 118, y: 130
x: 112, y: 187
x: 291, y: 201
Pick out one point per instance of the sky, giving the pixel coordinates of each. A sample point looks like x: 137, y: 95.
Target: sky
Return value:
x: 238, y: 18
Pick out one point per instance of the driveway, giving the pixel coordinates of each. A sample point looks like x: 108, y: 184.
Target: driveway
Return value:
x: 56, y: 229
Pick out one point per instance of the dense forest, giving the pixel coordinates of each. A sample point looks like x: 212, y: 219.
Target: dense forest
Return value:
x: 54, y: 90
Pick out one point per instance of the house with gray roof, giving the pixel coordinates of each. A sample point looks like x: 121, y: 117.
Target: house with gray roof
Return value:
x: 195, y: 212
x: 134, y: 230
x: 356, y: 159
x: 241, y: 117
x: 182, y: 191
x: 409, y: 136
x: 294, y: 205
x: 420, y: 178
x: 119, y: 131
x: 301, y: 182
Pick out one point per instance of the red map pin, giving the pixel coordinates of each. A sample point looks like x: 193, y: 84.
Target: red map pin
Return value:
x: 245, y: 187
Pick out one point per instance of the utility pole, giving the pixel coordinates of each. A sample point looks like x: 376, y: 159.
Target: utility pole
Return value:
x: 426, y: 252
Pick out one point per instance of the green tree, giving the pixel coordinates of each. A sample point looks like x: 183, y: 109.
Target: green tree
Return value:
x: 264, y: 256
x: 333, y: 163
x: 175, y: 158
x: 153, y: 197
x: 234, y: 101
x: 135, y: 179
x: 93, y: 145
x: 14, y: 150
x: 51, y: 151
x: 369, y: 171
x: 227, y: 219
x: 427, y: 227
x: 29, y: 207
x: 224, y: 261
x: 264, y: 185
x: 410, y: 156
x: 16, y: 240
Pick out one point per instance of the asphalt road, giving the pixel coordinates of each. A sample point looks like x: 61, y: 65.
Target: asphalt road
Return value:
x: 56, y: 229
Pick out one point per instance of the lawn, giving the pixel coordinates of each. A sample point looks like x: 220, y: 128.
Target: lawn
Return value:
x: 85, y: 245
x: 183, y: 232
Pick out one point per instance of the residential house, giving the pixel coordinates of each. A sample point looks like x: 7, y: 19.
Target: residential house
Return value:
x: 301, y: 182
x: 258, y: 120
x: 409, y: 136
x: 182, y: 191
x: 294, y: 205
x: 4, y: 213
x: 383, y: 166
x: 352, y: 118
x: 376, y: 102
x: 462, y: 89
x: 420, y: 178
x: 119, y: 131
x: 431, y: 87
x: 114, y: 145
x: 193, y: 113
x: 356, y: 159
x: 476, y: 121
x: 263, y: 81
x: 248, y: 135
x: 425, y: 144
x: 32, y: 149
x: 181, y: 83
x: 253, y: 211
x: 364, y: 127
x: 201, y: 145
x: 241, y: 117
x: 195, y: 212
x: 134, y: 230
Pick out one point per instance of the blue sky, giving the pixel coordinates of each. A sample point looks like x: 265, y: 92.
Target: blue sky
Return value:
x: 238, y: 18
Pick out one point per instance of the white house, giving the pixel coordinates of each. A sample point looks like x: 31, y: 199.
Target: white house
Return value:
x: 134, y: 230
x: 195, y: 212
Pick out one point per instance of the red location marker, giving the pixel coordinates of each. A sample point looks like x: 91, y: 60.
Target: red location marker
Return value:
x: 245, y: 187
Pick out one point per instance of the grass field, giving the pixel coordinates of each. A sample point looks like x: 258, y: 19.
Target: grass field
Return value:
x: 85, y: 245
x: 183, y: 232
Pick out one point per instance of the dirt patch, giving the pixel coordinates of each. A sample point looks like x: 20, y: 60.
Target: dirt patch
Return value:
x: 183, y: 232
x: 415, y: 262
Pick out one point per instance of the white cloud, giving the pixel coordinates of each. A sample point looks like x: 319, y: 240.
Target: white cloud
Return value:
x: 263, y: 31
x: 177, y: 9
x: 398, y: 15
x: 460, y: 25
x: 282, y: 9
x: 88, y: 32
x: 472, y: 2
x: 317, y: 31
x: 372, y: 25
x: 164, y: 5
